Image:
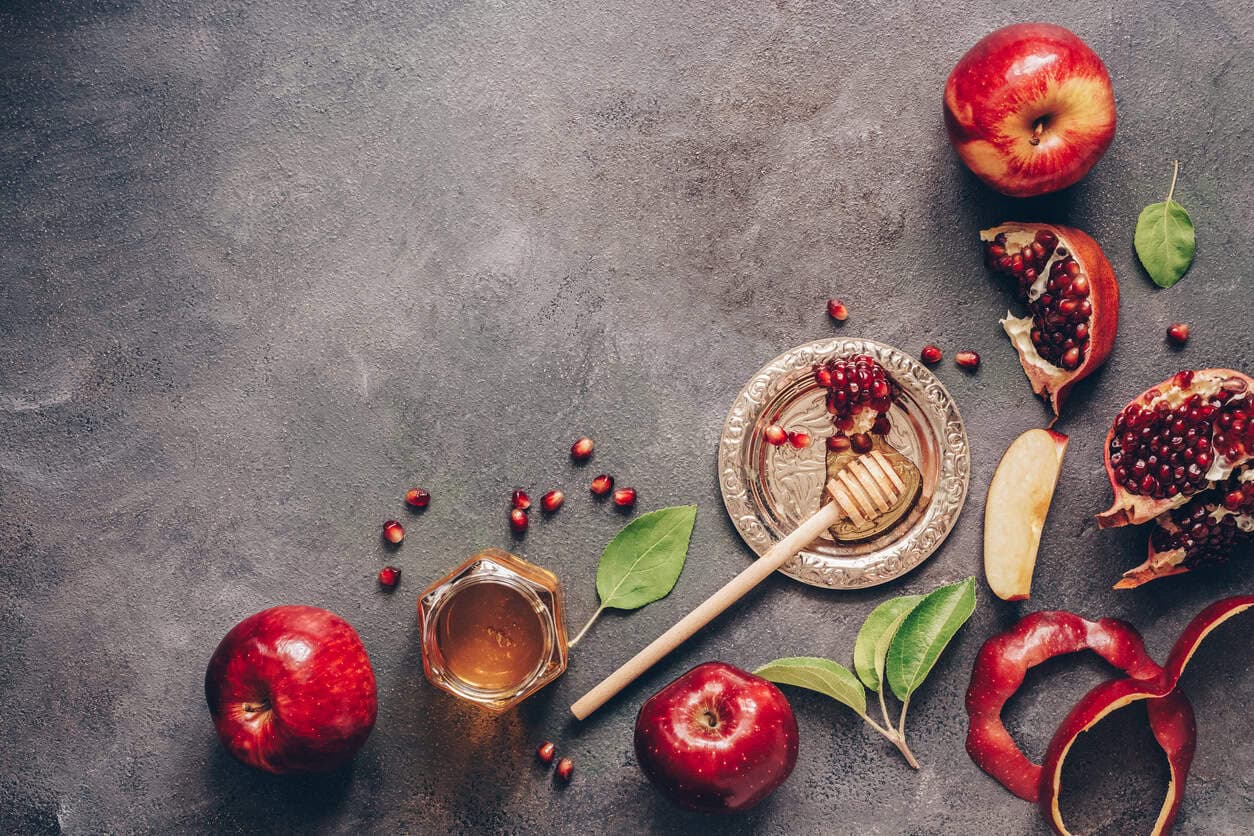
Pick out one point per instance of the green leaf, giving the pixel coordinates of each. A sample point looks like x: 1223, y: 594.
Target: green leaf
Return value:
x: 1164, y: 239
x: 821, y: 675
x: 922, y: 637
x: 871, y: 647
x: 643, y: 561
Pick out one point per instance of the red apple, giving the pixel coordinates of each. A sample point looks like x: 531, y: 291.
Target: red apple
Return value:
x: 291, y: 690
x: 718, y: 739
x: 1030, y: 109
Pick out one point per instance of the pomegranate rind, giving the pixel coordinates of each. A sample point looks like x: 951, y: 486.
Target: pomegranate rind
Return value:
x: 1134, y: 509
x: 1171, y: 717
x: 1049, y: 381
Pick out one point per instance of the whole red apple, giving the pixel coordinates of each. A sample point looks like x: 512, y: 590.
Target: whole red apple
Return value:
x: 717, y: 739
x: 1030, y: 109
x: 291, y: 690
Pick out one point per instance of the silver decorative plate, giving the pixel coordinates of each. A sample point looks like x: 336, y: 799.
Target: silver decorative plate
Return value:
x: 769, y: 490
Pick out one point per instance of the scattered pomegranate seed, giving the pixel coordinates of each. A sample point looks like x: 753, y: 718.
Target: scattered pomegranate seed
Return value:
x: 838, y: 443
x: 1178, y: 333
x: 625, y: 497
x: 581, y: 450
x: 800, y: 440
x: 836, y: 310
x: 774, y: 434
x: 931, y: 354
x: 417, y: 497
x: 389, y: 576
x: 967, y: 359
x: 519, y: 499
x: 393, y: 531
x: 518, y: 520
x: 602, y: 485
x: 1234, y: 500
x: 565, y: 768
x: 551, y: 501
x: 546, y: 752
x: 861, y: 443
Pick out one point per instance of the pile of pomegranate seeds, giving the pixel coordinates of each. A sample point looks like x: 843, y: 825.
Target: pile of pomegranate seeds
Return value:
x: 393, y: 532
x: 1209, y: 526
x: 389, y: 576
x: 1163, y: 446
x: 1060, y: 306
x: 418, y: 498
x: 859, y: 395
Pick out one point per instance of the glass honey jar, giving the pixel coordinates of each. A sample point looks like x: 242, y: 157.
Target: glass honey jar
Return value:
x: 493, y: 630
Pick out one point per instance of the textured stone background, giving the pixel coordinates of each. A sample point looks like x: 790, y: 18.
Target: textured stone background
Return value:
x: 266, y: 265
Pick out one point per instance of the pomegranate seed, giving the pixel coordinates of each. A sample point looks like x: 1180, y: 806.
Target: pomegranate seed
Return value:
x: 581, y: 450
x: 1233, y: 500
x: 518, y: 520
x: 931, y: 354
x: 551, y: 501
x: 861, y: 443
x: 519, y: 499
x: 1178, y: 333
x: 393, y: 531
x: 565, y: 768
x: 625, y: 497
x: 546, y: 752
x: 602, y: 484
x: 418, y: 498
x: 967, y: 359
x: 881, y: 425
x: 836, y: 310
x: 800, y: 440
x: 389, y: 576
x: 774, y: 434
x: 838, y: 443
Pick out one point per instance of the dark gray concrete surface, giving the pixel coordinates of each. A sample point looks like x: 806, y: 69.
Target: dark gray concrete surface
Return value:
x: 267, y: 265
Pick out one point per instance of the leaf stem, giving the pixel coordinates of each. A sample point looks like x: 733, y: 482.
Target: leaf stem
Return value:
x: 893, y: 737
x: 1174, y: 174
x: 884, y: 706
x: 591, y: 621
x: 901, y: 724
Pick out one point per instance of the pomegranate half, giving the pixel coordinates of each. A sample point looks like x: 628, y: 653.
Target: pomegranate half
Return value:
x: 1175, y: 440
x: 1072, y: 299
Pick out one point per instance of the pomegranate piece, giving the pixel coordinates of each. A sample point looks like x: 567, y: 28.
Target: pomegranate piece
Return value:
x: 418, y: 498
x: 861, y: 443
x: 625, y: 497
x: 602, y: 485
x: 774, y: 434
x: 519, y: 499
x: 518, y: 520
x: 565, y: 768
x: 836, y: 310
x: 393, y: 532
x: 967, y: 359
x: 389, y: 576
x: 1072, y: 299
x: 1178, y: 438
x: 1202, y: 533
x: 800, y: 440
x: 838, y: 443
x: 546, y: 751
x: 931, y: 355
x: 551, y: 501
x: 1178, y: 333
x: 858, y: 392
x: 581, y: 450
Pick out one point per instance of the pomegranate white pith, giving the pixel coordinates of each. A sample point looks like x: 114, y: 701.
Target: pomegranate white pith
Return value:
x: 1072, y: 299
x: 1175, y: 440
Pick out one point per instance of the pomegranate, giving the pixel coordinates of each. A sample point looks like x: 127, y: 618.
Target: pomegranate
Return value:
x: 1175, y: 440
x: 859, y: 393
x: 1072, y: 299
x: 1201, y: 533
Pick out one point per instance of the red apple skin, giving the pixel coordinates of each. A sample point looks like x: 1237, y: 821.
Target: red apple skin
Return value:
x: 291, y: 689
x: 717, y: 739
x: 1010, y: 81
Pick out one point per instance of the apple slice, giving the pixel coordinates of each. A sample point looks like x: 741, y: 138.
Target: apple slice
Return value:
x: 1018, y: 502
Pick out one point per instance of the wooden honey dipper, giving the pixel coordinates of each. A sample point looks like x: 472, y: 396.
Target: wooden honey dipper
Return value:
x: 862, y: 490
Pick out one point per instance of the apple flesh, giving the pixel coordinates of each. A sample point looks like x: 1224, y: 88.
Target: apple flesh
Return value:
x: 718, y: 739
x: 1014, y: 514
x: 291, y: 689
x: 1030, y: 109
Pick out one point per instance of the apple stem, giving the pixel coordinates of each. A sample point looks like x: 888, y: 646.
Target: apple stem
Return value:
x: 1037, y: 130
x: 591, y: 621
x: 1174, y: 174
